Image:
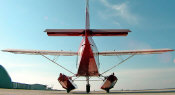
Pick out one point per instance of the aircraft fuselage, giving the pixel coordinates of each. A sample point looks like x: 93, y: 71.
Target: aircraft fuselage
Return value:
x: 88, y: 58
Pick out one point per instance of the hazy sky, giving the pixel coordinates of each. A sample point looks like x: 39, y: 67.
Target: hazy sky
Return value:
x: 152, y: 23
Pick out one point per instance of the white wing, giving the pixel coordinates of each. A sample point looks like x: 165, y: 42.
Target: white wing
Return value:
x: 41, y: 52
x: 135, y: 52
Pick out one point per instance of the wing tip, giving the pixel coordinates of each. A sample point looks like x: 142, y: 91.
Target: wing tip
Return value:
x: 5, y: 50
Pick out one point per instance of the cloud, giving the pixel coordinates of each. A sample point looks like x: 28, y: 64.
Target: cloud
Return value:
x: 136, y: 44
x: 117, y: 23
x: 122, y: 11
x: 165, y: 58
x: 46, y: 18
x: 19, y: 65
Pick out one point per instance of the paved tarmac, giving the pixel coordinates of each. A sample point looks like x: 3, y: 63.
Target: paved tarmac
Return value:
x: 41, y: 92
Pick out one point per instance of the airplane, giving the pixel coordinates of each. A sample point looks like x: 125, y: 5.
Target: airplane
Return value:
x: 88, y: 55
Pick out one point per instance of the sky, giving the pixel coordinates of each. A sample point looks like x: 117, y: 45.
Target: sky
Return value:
x: 152, y: 23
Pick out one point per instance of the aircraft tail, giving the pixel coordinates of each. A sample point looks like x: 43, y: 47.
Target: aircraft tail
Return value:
x: 92, y: 32
x: 87, y: 31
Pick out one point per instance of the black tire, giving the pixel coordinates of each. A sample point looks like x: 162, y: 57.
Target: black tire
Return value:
x: 68, y: 90
x: 88, y: 88
x: 107, y: 90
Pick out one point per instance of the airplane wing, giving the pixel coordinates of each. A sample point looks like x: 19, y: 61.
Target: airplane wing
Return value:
x: 135, y: 52
x: 41, y: 52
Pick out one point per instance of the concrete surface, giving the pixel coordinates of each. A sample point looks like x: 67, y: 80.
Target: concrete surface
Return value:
x: 40, y: 92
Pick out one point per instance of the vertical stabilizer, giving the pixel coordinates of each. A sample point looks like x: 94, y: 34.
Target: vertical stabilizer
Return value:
x: 87, y: 15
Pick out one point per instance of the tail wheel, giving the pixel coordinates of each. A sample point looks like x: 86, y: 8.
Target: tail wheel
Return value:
x: 88, y: 88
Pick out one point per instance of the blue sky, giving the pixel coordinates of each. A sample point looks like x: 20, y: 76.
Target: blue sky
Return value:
x: 151, y: 21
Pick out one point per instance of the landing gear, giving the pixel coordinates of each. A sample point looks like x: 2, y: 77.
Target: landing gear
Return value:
x: 68, y: 90
x: 87, y: 85
x: 66, y: 82
x: 107, y: 90
x: 87, y: 88
x: 109, y: 83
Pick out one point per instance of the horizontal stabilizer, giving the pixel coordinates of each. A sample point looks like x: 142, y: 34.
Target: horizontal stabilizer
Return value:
x: 65, y: 32
x: 135, y: 52
x: 109, y: 32
x: 92, y: 32
x: 41, y: 52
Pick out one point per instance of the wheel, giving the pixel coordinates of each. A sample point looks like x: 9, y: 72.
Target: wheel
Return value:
x: 68, y: 90
x: 107, y: 90
x: 88, y: 88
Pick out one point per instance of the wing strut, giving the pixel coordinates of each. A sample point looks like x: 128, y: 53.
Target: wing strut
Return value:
x: 57, y: 64
x: 117, y: 64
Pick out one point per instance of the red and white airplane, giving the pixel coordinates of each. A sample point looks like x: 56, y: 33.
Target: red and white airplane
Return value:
x: 88, y: 55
